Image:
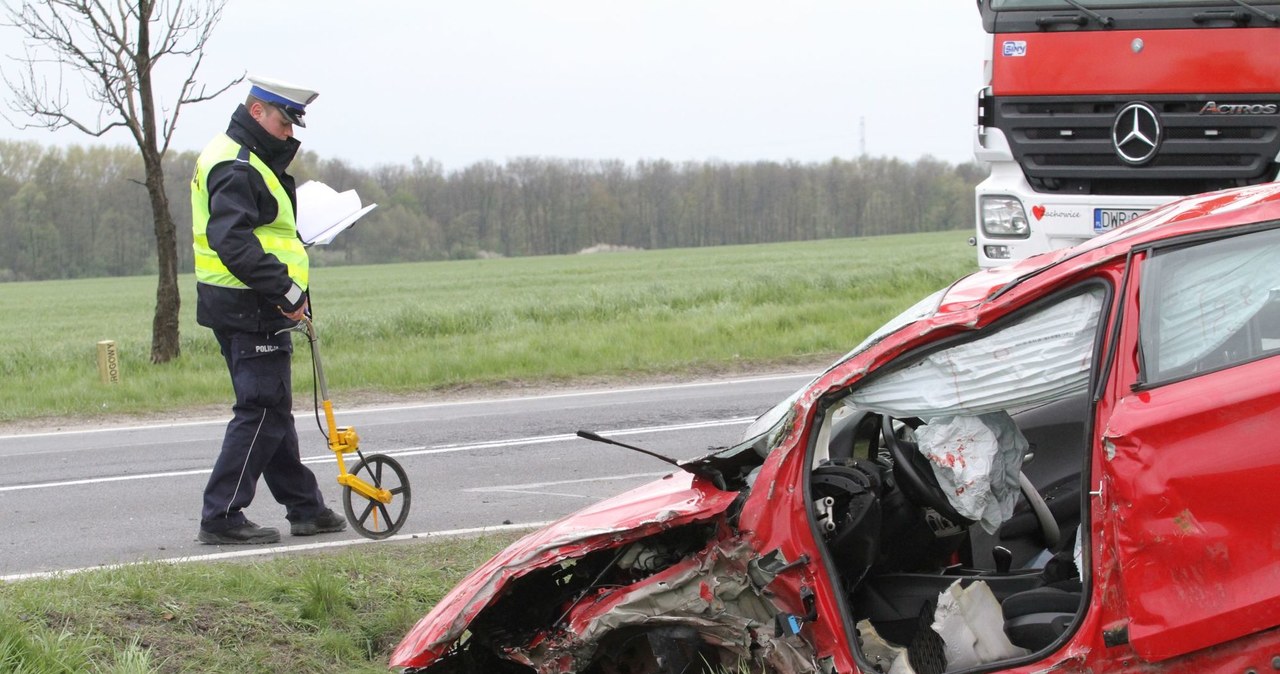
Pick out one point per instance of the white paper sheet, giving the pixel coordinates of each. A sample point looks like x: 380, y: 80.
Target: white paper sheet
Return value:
x: 323, y: 212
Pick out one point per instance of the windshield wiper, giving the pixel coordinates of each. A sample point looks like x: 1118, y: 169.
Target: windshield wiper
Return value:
x: 1257, y: 11
x: 1105, y: 21
x: 700, y: 470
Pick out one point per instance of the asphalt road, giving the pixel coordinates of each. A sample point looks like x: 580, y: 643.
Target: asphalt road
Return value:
x: 72, y: 500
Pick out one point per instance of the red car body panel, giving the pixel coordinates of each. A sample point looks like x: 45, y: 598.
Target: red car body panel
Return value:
x: 1245, y: 61
x: 1181, y: 542
x: 674, y: 500
x: 1193, y: 473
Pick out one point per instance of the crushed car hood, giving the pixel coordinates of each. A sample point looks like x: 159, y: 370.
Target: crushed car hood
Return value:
x: 672, y: 501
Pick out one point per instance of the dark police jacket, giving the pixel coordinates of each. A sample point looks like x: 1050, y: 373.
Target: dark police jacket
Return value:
x: 239, y: 202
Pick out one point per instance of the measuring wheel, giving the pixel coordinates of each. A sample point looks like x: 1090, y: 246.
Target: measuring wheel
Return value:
x: 372, y: 518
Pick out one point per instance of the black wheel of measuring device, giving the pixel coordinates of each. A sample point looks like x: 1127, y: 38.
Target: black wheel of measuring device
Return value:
x: 370, y: 518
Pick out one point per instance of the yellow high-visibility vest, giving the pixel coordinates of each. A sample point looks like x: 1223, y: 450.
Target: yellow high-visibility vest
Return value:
x: 279, y: 237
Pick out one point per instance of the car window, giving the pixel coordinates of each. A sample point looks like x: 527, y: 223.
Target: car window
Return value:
x: 1210, y: 306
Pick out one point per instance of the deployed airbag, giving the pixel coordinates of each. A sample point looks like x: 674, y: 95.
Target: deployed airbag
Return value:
x: 976, y: 460
x: 971, y: 626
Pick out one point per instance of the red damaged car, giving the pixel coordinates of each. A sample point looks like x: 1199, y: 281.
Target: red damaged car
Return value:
x: 1064, y: 465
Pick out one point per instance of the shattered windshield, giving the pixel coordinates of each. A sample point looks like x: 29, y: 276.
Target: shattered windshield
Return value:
x: 922, y: 309
x: 764, y: 431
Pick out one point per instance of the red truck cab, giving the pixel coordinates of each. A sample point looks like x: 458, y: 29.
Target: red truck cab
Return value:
x: 1094, y: 112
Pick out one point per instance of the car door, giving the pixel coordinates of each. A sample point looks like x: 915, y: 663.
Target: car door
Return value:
x: 1191, y: 448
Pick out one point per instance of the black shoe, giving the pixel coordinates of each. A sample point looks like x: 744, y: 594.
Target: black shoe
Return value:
x: 245, y: 534
x: 326, y: 522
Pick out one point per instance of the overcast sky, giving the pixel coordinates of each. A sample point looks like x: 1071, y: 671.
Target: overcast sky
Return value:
x: 460, y: 81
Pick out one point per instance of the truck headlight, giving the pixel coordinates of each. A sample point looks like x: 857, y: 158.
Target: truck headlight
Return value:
x: 1004, y: 218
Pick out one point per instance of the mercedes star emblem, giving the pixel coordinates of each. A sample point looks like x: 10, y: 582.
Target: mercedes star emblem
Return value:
x: 1136, y: 133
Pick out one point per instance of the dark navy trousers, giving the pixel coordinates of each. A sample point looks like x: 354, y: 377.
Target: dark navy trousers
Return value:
x: 261, y: 440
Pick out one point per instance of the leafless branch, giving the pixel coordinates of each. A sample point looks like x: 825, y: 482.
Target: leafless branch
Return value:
x: 112, y: 48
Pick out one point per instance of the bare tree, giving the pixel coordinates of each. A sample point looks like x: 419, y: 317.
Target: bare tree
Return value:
x: 113, y: 48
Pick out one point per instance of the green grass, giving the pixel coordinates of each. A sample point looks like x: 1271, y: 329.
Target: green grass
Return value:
x: 411, y: 328
x: 333, y: 612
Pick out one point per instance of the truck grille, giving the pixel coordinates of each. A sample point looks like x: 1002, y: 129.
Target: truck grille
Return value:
x: 1064, y: 144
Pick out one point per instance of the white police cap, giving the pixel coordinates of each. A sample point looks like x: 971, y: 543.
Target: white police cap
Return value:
x: 291, y: 99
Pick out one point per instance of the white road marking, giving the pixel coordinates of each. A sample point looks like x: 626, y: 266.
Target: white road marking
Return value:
x: 423, y: 406
x: 255, y: 551
x: 535, y: 488
x: 407, y: 451
x: 557, y: 483
x: 542, y: 493
x: 560, y: 437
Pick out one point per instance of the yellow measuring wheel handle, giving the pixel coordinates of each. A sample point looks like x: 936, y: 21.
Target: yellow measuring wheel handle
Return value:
x: 344, y: 439
x: 364, y: 488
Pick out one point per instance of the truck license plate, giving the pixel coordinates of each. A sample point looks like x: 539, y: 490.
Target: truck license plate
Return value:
x: 1107, y: 219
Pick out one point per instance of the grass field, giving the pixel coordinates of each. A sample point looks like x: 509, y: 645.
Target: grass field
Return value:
x: 410, y: 328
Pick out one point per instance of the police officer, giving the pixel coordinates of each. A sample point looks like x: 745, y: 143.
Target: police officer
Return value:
x: 252, y: 273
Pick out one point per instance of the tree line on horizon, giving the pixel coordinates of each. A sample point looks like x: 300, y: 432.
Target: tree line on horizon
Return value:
x: 83, y: 212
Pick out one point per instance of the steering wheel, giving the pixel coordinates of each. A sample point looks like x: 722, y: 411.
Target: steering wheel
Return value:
x: 915, y: 477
